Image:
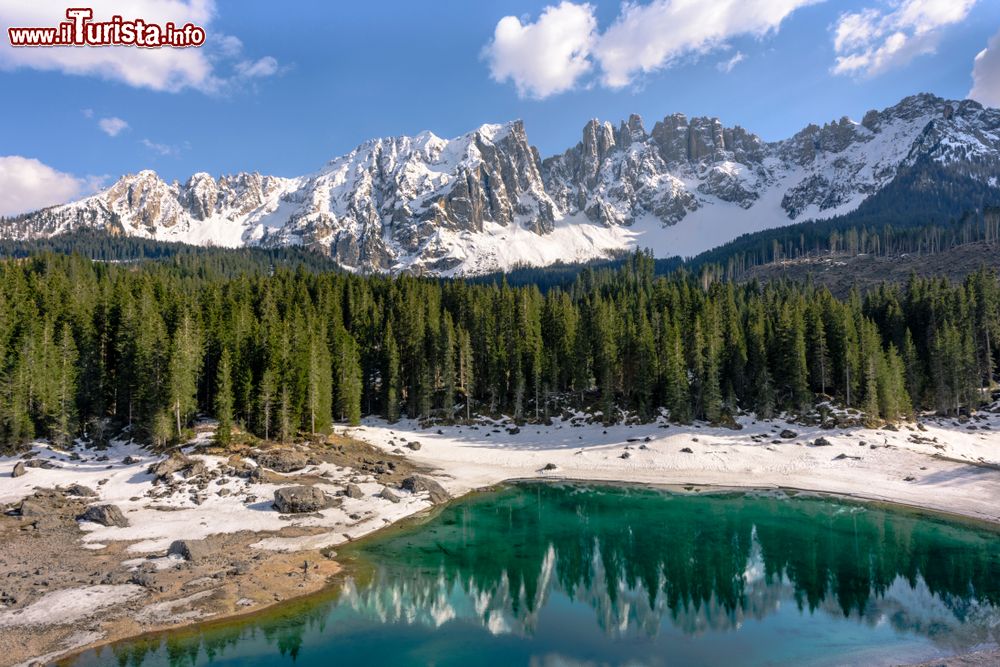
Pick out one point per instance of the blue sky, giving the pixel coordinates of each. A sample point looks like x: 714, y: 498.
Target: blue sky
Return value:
x: 283, y: 87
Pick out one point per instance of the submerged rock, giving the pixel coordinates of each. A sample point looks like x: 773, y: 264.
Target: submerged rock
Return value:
x: 418, y: 483
x: 106, y: 515
x: 300, y: 499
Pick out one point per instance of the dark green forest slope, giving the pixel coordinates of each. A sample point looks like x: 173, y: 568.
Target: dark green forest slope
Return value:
x: 88, y: 347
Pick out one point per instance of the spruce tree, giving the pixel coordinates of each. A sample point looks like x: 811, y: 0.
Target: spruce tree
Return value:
x: 224, y: 400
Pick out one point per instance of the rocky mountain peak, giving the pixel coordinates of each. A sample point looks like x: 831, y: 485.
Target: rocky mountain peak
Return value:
x: 486, y: 199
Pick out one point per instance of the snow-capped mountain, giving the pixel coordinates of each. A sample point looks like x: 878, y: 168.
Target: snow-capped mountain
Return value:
x: 487, y: 201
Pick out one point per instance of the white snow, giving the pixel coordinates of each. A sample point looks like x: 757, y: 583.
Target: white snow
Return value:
x: 471, y: 459
x: 69, y: 605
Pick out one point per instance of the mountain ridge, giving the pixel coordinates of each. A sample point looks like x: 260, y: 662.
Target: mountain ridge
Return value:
x: 487, y: 201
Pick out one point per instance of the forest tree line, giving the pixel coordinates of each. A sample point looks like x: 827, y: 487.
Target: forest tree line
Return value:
x: 88, y: 347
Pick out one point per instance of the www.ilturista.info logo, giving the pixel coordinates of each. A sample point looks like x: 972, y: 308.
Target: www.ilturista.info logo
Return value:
x: 80, y: 30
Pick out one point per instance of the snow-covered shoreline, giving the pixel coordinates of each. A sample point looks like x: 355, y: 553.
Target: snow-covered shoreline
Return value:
x: 942, y: 465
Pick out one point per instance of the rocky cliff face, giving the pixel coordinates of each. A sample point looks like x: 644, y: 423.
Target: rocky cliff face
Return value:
x: 486, y: 201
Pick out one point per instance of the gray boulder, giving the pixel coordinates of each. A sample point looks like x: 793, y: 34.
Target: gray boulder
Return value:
x: 300, y: 499
x: 106, y: 515
x: 168, y: 466
x: 788, y: 434
x: 195, y: 551
x: 282, y: 460
x: 354, y: 491
x: 32, y: 509
x: 387, y: 494
x: 822, y: 442
x: 418, y: 483
x: 18, y: 470
x: 80, y: 490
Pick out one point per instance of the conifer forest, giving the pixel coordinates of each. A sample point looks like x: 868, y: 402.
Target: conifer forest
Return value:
x: 91, y: 347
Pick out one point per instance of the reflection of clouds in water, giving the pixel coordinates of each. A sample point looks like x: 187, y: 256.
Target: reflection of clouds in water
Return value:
x: 623, y: 609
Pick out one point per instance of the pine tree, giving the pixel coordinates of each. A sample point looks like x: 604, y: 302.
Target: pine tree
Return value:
x: 185, y: 364
x: 64, y: 403
x: 224, y: 400
x: 675, y: 380
x: 320, y: 383
x: 466, y: 373
x: 447, y: 365
x: 347, y: 370
x: 390, y: 376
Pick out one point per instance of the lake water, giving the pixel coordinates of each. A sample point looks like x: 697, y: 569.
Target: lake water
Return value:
x: 560, y: 575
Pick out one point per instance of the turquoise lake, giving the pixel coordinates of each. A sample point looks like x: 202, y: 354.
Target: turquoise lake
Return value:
x: 553, y: 575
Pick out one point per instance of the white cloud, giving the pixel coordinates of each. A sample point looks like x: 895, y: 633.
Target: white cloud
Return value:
x: 645, y: 38
x: 871, y: 41
x: 27, y: 185
x: 112, y: 126
x: 545, y: 57
x: 266, y: 66
x: 160, y: 149
x: 552, y: 54
x: 160, y: 69
x: 728, y: 64
x: 986, y: 74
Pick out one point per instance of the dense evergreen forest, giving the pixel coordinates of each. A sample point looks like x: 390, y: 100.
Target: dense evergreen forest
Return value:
x: 90, y: 347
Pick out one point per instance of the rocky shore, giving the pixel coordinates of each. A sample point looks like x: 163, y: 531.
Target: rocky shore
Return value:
x: 103, y: 544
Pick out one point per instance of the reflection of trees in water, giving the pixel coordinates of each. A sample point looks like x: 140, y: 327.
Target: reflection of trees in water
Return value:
x: 707, y: 563
x: 637, y: 557
x: 282, y: 630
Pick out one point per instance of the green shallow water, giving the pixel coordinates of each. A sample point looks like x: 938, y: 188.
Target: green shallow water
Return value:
x: 559, y: 575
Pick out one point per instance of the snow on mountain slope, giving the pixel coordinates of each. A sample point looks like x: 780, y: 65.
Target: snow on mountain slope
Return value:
x: 486, y: 201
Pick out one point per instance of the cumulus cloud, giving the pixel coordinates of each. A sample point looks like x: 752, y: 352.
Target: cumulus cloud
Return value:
x: 986, y: 74
x: 112, y: 126
x: 162, y: 69
x: 545, y: 57
x: 27, y: 185
x: 645, y: 38
x: 728, y: 64
x: 871, y: 41
x: 553, y: 53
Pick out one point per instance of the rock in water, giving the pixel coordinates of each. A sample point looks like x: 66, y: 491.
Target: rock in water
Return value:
x: 282, y: 460
x: 418, y: 483
x: 192, y: 550
x: 387, y: 494
x: 106, y: 515
x: 300, y: 499
x: 19, y: 469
